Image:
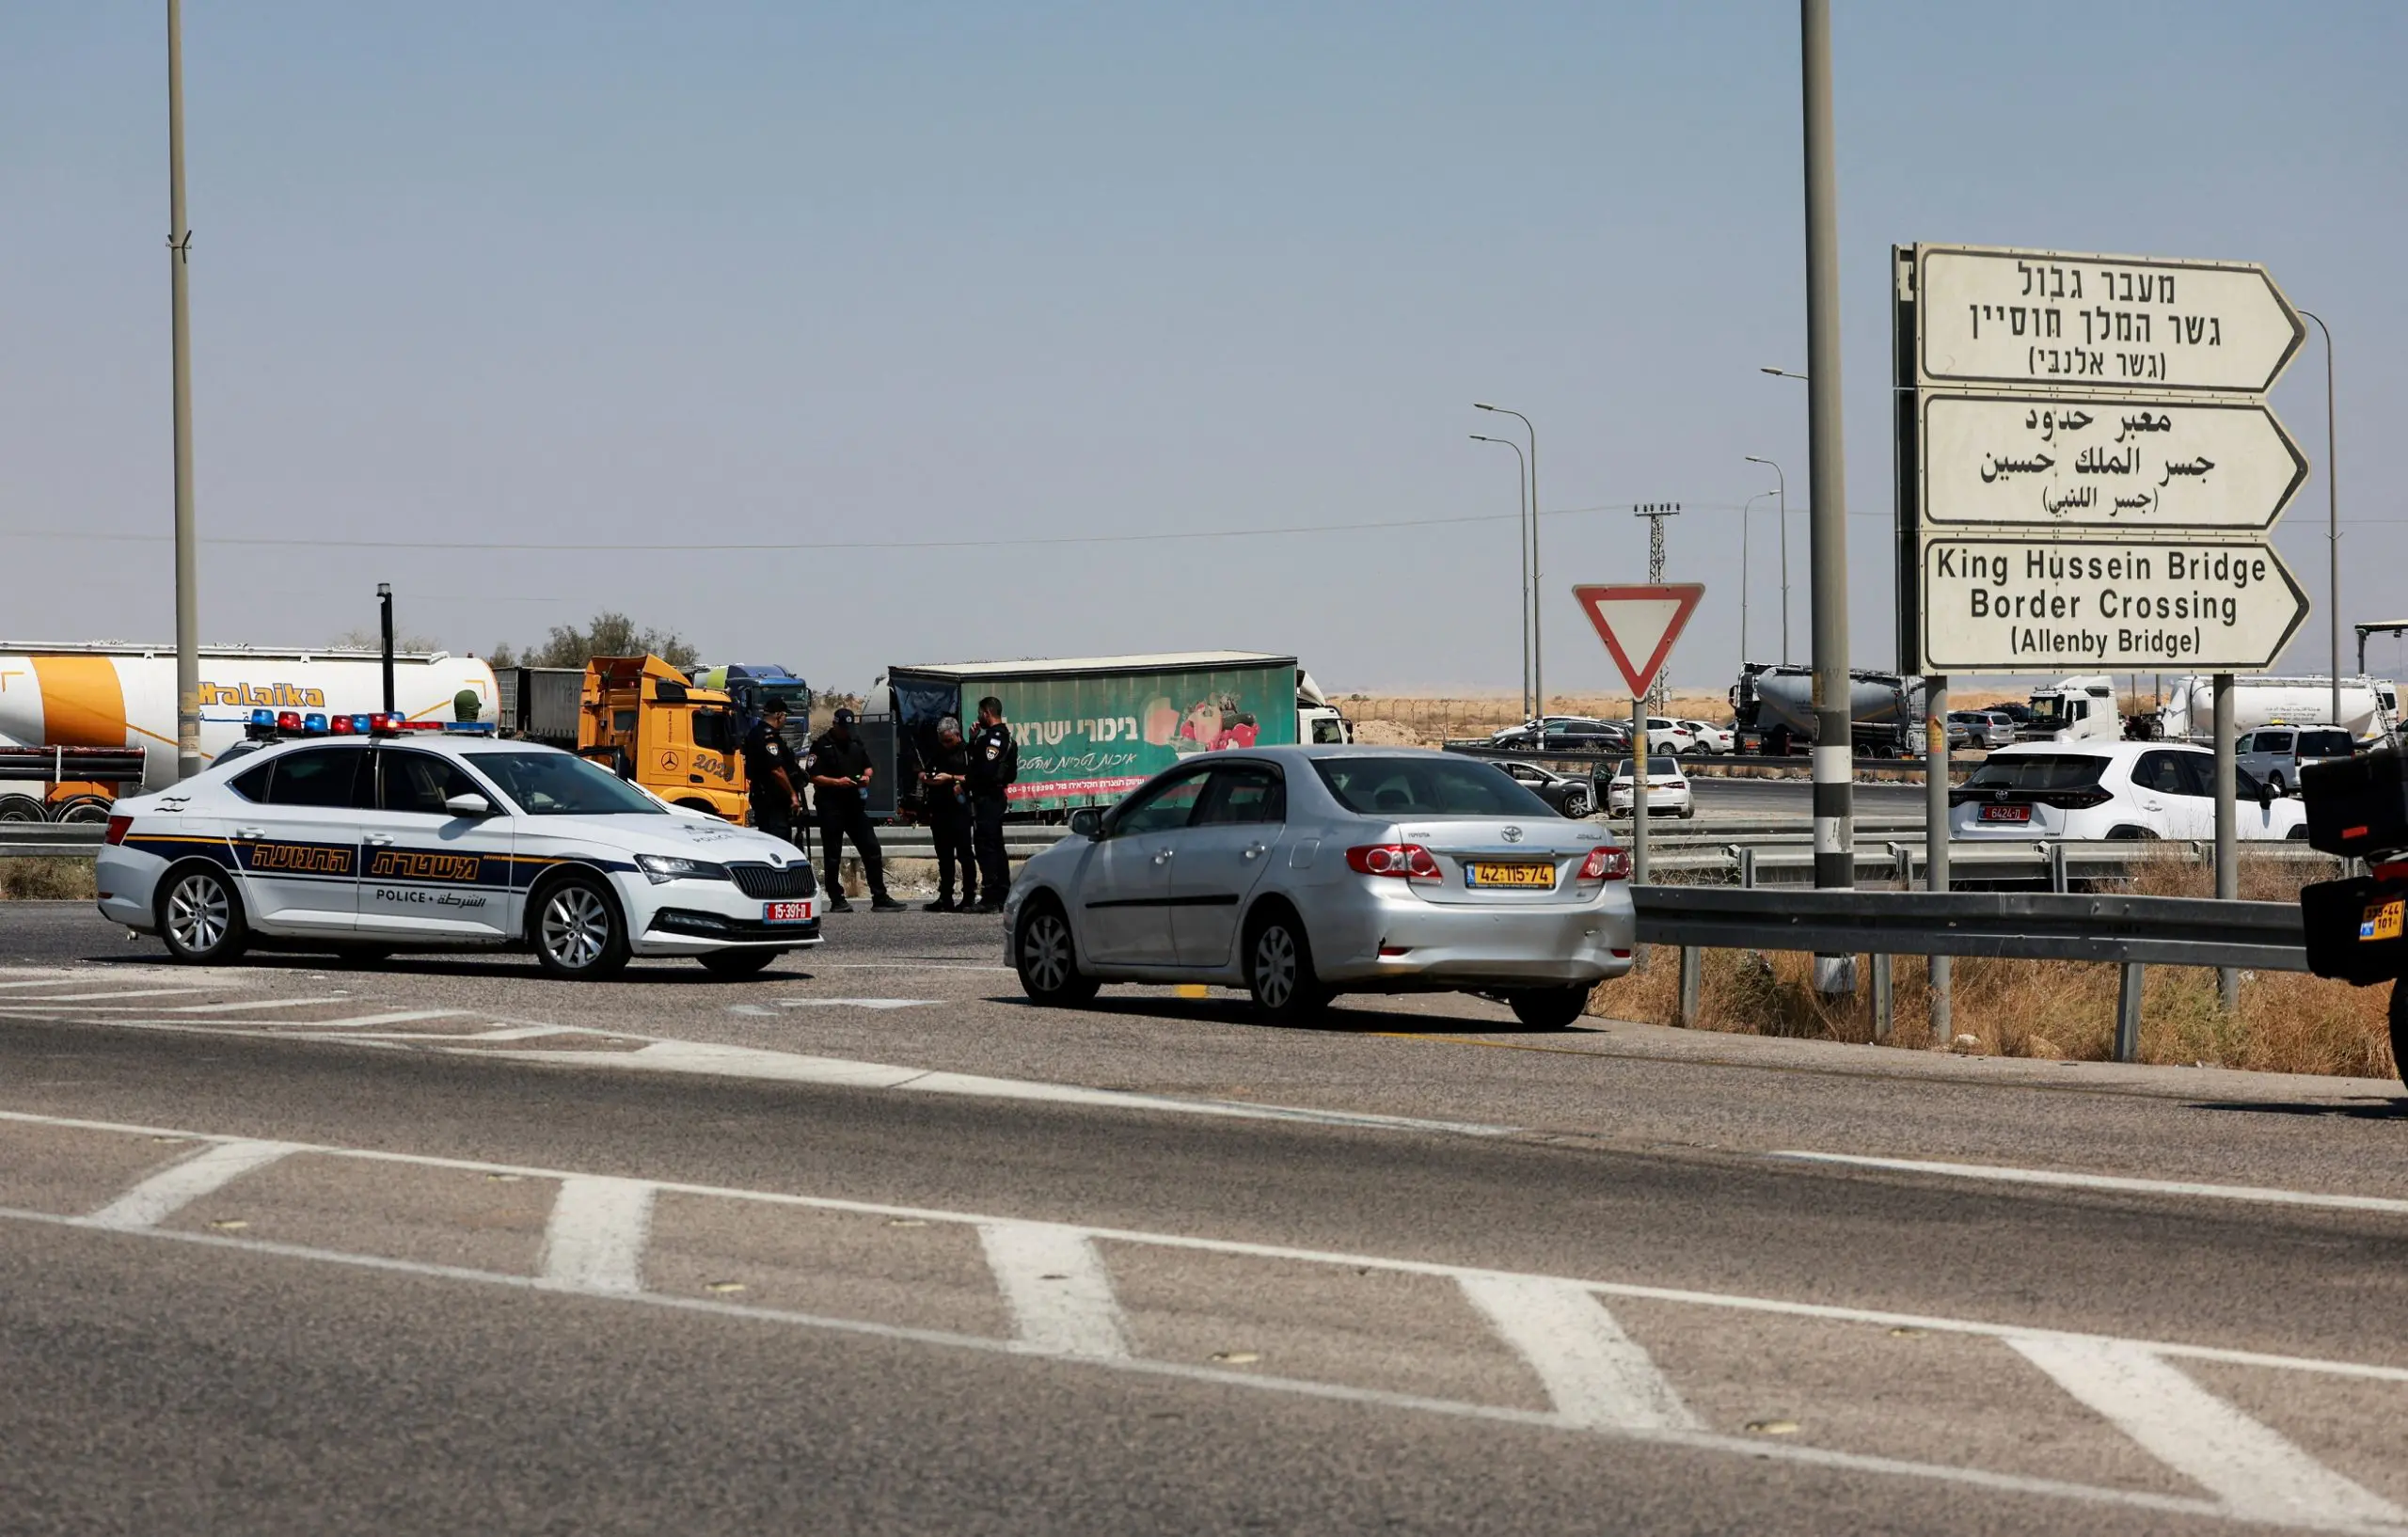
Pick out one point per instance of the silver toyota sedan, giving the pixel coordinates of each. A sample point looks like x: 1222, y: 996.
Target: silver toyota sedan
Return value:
x: 1302, y: 872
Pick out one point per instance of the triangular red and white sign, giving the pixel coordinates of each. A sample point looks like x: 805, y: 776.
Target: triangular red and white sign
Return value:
x: 1638, y: 624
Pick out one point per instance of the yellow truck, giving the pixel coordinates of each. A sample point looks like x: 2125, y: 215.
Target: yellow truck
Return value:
x: 642, y: 719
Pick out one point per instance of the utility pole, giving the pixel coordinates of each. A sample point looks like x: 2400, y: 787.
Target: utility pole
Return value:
x: 1655, y: 512
x: 180, y: 327
x: 2332, y: 521
x: 1834, y: 746
x: 1522, y: 521
x: 1538, y: 646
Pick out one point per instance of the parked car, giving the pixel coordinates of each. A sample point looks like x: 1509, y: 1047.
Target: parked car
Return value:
x: 1667, y: 736
x: 2275, y: 754
x: 1667, y: 788
x: 1565, y: 733
x: 1983, y: 728
x: 2111, y: 790
x: 1710, y: 738
x: 1300, y: 872
x: 1573, y: 797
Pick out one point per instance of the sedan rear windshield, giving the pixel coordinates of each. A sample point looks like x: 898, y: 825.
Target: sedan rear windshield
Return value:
x: 2036, y: 771
x: 561, y: 785
x: 1426, y: 784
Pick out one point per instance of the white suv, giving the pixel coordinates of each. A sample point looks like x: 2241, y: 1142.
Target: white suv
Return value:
x: 2110, y: 790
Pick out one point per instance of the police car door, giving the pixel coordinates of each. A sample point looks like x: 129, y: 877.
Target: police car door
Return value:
x: 297, y: 842
x: 426, y: 869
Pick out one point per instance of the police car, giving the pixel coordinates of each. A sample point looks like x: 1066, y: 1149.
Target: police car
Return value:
x: 366, y: 834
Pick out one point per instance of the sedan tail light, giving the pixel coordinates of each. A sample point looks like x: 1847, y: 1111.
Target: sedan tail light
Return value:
x: 115, y: 833
x: 1403, y: 860
x: 1606, y: 862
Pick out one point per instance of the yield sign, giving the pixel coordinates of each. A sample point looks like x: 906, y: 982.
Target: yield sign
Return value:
x: 1640, y: 622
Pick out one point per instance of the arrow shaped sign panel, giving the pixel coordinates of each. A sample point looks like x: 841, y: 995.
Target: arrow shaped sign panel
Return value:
x: 2036, y: 604
x: 1638, y: 624
x: 2044, y: 318
x: 2102, y: 463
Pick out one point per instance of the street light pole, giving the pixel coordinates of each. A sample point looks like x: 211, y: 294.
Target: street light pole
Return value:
x: 1785, y: 552
x: 1521, y: 522
x: 1538, y: 633
x: 180, y: 331
x: 2332, y: 519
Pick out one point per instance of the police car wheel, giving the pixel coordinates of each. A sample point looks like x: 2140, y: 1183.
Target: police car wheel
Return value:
x: 201, y: 918
x: 576, y: 931
x: 738, y: 962
x: 2400, y: 1029
x: 1047, y: 959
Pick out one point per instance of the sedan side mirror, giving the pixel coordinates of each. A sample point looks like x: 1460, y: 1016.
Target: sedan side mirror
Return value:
x: 468, y: 804
x: 2266, y: 793
x: 1087, y: 822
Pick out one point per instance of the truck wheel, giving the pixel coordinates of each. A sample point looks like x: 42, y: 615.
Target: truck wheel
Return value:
x: 82, y: 809
x: 576, y: 931
x: 22, y: 808
x: 201, y: 918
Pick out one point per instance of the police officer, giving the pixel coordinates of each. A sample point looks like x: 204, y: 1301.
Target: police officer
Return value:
x: 945, y: 795
x: 994, y: 763
x: 840, y: 769
x: 771, y: 773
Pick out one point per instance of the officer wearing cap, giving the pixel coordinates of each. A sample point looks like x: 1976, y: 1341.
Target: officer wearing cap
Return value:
x: 945, y: 794
x: 771, y: 774
x: 840, y: 770
x: 994, y: 765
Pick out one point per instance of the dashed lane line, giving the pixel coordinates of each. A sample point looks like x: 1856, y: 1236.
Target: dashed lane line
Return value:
x: 1999, y: 1174
x: 595, y: 1239
x: 1597, y: 1375
x: 172, y: 1189
x: 1058, y: 1290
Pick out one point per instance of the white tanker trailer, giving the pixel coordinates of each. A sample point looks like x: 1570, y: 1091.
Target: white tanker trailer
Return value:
x: 123, y: 697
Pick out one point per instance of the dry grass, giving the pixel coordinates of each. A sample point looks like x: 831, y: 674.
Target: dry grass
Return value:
x: 46, y: 880
x: 2287, y: 1022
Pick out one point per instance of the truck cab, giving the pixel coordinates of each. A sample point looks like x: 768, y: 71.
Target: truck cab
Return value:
x: 648, y: 724
x: 2078, y: 709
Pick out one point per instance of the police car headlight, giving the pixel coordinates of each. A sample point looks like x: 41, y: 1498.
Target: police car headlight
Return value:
x: 661, y: 867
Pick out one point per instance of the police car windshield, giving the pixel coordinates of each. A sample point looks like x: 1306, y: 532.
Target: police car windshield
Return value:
x: 559, y: 784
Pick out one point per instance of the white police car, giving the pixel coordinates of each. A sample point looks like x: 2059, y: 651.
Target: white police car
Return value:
x: 367, y: 836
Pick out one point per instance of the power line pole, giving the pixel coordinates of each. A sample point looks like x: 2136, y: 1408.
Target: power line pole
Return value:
x: 1835, y: 818
x: 1655, y: 512
x: 179, y: 325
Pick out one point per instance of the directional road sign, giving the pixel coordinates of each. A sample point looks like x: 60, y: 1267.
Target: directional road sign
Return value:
x: 2033, y: 603
x: 2102, y: 462
x: 1638, y: 624
x: 2047, y: 318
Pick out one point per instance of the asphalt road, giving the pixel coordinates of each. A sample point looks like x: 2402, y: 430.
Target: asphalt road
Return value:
x: 870, y: 1245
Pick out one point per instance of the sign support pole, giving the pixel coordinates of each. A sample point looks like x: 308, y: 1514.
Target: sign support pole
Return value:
x: 1639, y: 745
x: 1935, y: 835
x: 1834, y: 737
x: 2227, y: 825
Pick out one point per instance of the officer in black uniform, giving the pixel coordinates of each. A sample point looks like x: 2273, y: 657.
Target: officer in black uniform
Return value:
x: 945, y: 793
x: 771, y: 773
x: 994, y: 763
x: 840, y: 769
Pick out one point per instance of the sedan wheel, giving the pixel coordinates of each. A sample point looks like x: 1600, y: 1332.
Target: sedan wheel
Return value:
x: 1548, y: 1008
x: 578, y: 935
x: 1047, y: 959
x: 1279, y: 973
x: 201, y: 920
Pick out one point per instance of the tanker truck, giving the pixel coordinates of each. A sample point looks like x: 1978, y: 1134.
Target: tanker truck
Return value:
x: 1772, y: 708
x: 2369, y: 706
x: 122, y: 698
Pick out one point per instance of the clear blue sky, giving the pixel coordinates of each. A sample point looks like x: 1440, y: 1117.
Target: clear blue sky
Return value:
x: 562, y: 275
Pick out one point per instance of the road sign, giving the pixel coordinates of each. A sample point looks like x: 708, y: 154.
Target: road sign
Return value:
x: 2035, y: 603
x: 2103, y: 462
x: 1639, y: 621
x: 2048, y: 317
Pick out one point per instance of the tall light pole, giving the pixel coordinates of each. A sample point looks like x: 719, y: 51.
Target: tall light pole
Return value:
x: 1785, y: 551
x: 1521, y: 520
x: 2332, y: 519
x: 180, y: 329
x: 1744, y: 511
x: 1827, y: 515
x: 1538, y: 635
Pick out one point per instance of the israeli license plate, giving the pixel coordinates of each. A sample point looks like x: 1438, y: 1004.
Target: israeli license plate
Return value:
x: 2383, y: 920
x: 785, y: 912
x: 1521, y: 875
x: 2006, y: 814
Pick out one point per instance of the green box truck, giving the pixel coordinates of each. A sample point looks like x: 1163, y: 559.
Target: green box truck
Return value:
x: 1093, y: 728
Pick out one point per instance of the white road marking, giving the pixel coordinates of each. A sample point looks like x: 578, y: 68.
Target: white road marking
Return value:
x: 1058, y: 1291
x: 113, y: 994
x: 400, y: 1017
x: 855, y: 1003
x: 596, y: 1236
x: 2007, y: 1175
x: 904, y: 966
x: 172, y: 1189
x: 258, y: 1003
x: 1598, y: 1376
x: 1754, y: 1448
x: 2253, y: 1469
